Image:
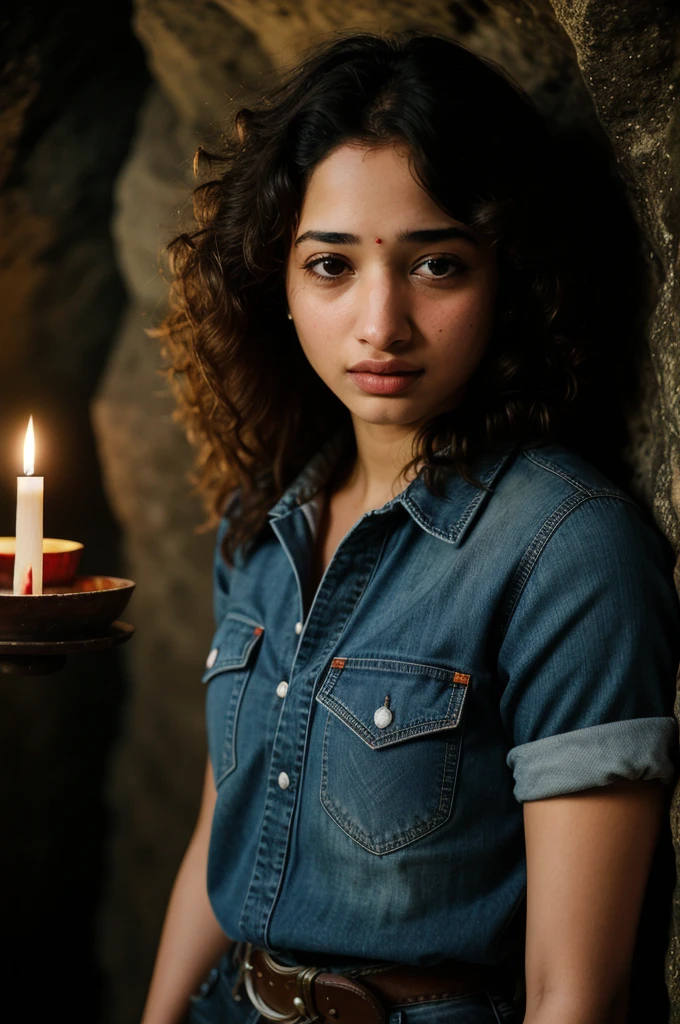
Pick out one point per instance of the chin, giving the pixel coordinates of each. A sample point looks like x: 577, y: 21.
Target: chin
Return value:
x: 386, y: 418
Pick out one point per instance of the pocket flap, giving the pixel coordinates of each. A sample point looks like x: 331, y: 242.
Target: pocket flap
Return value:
x: 420, y: 698
x: 233, y: 643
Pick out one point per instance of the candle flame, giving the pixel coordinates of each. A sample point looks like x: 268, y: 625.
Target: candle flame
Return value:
x: 29, y: 450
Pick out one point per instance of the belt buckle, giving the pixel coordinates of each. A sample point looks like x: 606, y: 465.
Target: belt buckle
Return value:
x: 303, y: 1001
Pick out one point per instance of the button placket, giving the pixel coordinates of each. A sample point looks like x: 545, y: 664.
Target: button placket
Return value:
x: 334, y: 603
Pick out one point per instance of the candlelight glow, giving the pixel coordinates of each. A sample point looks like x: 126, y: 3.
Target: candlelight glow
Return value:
x: 29, y: 450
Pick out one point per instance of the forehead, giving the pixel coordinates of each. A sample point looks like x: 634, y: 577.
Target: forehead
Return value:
x: 359, y: 183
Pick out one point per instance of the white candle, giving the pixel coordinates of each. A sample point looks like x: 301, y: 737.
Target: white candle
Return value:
x: 28, y: 558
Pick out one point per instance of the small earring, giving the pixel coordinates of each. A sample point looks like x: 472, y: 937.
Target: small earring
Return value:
x: 289, y: 315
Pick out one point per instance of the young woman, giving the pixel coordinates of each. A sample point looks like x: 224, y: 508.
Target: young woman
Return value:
x: 439, y: 695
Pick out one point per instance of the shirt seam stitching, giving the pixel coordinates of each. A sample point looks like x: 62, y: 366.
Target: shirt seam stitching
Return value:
x: 540, y: 542
x: 551, y: 467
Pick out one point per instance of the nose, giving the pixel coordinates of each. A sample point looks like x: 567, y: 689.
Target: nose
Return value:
x: 382, y: 317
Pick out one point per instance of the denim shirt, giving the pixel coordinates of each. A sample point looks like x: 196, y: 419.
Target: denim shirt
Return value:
x: 372, y: 747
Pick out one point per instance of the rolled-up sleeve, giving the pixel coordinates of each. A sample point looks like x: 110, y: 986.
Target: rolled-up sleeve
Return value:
x: 588, y: 661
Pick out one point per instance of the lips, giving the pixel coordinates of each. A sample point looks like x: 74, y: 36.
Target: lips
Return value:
x: 382, y: 366
x: 385, y: 382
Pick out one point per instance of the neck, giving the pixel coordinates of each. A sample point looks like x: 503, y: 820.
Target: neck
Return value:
x: 382, y: 452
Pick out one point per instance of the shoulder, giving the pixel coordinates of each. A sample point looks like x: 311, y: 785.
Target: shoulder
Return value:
x: 582, y: 535
x: 516, y: 499
x: 552, y: 488
x: 561, y: 474
x: 564, y: 524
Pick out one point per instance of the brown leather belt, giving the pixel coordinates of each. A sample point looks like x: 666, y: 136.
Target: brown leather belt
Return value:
x: 295, y: 994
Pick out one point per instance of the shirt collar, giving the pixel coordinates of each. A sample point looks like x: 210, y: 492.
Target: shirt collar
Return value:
x: 448, y: 517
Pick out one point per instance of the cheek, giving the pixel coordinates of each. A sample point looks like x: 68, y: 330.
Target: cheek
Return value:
x: 317, y: 345
x: 464, y: 321
x: 320, y: 327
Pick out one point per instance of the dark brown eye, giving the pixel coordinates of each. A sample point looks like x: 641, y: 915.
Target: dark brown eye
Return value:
x: 331, y: 267
x: 326, y: 268
x: 439, y: 267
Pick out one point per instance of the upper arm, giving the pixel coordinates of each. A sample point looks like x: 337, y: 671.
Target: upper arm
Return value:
x: 588, y: 858
x: 589, y: 657
x: 588, y: 665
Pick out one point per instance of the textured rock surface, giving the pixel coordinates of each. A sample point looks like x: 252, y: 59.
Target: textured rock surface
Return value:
x: 629, y: 64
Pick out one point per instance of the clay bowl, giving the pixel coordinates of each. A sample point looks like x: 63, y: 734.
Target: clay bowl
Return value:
x: 80, y: 609
x: 60, y: 561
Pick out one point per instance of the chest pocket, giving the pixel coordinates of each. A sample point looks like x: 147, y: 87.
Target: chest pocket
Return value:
x: 230, y: 662
x: 391, y: 748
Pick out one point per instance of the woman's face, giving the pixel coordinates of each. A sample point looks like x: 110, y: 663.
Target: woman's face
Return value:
x: 379, y: 275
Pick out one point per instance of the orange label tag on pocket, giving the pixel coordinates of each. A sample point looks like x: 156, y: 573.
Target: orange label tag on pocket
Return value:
x: 338, y: 662
x: 461, y: 677
x: 258, y: 630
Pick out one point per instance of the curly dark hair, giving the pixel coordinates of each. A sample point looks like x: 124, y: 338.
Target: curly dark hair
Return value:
x: 246, y: 393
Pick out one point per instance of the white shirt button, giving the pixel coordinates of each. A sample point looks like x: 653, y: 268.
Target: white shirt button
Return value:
x: 298, y: 628
x: 284, y: 781
x: 282, y: 688
x: 382, y: 717
x: 212, y: 657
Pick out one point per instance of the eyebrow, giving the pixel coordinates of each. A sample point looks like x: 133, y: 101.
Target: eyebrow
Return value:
x: 423, y: 236
x: 436, y: 235
x: 329, y: 237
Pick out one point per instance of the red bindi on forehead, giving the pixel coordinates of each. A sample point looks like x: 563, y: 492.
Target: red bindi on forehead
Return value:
x: 378, y: 241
